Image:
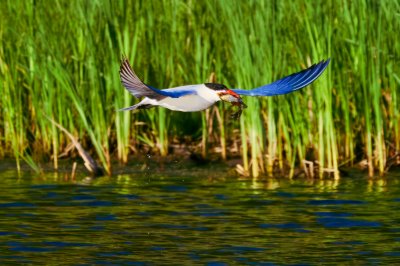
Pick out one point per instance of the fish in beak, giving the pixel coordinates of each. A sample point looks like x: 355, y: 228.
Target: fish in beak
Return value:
x: 235, y: 99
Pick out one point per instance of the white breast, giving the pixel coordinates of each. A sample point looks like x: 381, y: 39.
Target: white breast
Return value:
x: 202, y: 99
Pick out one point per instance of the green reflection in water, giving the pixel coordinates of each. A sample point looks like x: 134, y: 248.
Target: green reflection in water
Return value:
x: 198, y: 217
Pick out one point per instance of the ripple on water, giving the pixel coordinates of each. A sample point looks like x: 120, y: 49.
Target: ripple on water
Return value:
x: 216, y: 263
x: 285, y: 194
x: 392, y: 254
x: 28, y: 247
x: 240, y: 249
x: 10, y: 233
x: 221, y: 197
x: 342, y: 222
x: 97, y: 203
x: 335, y: 202
x: 44, y: 186
x: 62, y: 244
x: 44, y: 246
x: 83, y: 197
x: 285, y: 226
x: 175, y: 188
x: 130, y: 196
x: 17, y: 204
x: 333, y: 214
x: 106, y: 217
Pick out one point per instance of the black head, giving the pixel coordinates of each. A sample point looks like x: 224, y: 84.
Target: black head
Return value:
x: 216, y: 86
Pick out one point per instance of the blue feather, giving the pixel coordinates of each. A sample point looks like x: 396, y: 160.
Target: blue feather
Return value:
x: 172, y: 92
x: 288, y: 84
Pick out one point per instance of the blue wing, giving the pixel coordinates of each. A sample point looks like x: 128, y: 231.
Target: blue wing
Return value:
x: 288, y: 84
x: 138, y: 89
x: 172, y: 93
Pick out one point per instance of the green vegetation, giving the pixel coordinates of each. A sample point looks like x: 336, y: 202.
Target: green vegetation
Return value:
x: 61, y: 59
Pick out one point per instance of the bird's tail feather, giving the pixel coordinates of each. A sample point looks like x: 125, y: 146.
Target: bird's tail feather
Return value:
x: 136, y: 106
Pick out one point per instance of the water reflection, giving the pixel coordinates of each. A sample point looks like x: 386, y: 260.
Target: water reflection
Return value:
x: 198, y: 219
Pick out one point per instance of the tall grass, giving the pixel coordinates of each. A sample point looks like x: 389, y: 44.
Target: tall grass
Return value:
x: 62, y: 60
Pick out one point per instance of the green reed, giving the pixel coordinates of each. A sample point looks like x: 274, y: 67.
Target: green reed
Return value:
x: 63, y: 61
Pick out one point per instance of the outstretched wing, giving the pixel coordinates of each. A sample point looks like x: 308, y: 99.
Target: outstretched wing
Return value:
x: 288, y: 84
x: 138, y: 89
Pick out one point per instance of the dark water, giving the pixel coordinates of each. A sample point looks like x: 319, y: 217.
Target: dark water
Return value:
x: 154, y: 220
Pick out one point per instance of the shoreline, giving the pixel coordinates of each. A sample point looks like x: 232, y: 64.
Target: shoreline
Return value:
x: 177, y: 164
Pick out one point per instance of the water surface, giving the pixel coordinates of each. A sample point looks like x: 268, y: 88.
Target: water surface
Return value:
x: 198, y: 218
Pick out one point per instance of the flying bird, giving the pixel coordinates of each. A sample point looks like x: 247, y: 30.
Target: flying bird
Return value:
x: 198, y: 97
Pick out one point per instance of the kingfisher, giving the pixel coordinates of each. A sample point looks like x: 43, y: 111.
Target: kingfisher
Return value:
x: 198, y: 97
